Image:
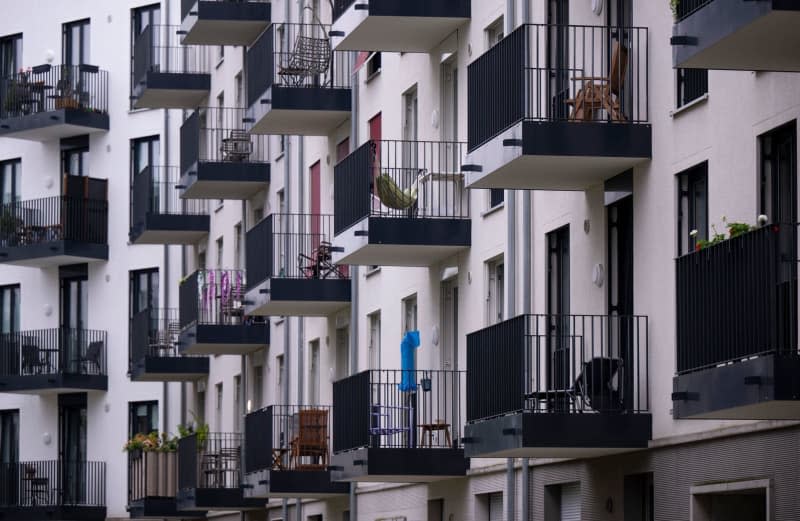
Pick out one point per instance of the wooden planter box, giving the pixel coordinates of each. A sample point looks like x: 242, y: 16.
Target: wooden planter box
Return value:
x: 66, y: 102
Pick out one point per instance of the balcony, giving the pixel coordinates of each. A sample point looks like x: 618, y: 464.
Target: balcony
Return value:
x: 209, y: 474
x: 166, y: 74
x: 396, y: 25
x: 401, y: 203
x: 159, y: 215
x: 398, y: 426
x: 287, y: 452
x: 302, y: 88
x: 558, y: 386
x: 737, y: 35
x: 154, y: 349
x: 212, y: 316
x: 291, y: 268
x: 153, y: 486
x: 737, y: 347
x: 47, y: 102
x: 219, y: 158
x: 222, y: 22
x: 58, y: 360
x: 53, y: 489
x: 534, y: 124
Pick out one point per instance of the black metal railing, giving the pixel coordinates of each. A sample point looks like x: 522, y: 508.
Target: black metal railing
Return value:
x: 288, y: 437
x: 399, y: 409
x: 158, y: 49
x: 558, y: 364
x: 186, y: 5
x: 214, y: 461
x: 547, y: 72
x: 53, y: 483
x: 53, y: 351
x: 155, y: 191
x: 212, y: 297
x: 687, y: 7
x: 738, y: 299
x: 295, y: 55
x: 217, y: 134
x: 45, y: 88
x: 692, y: 84
x: 295, y: 246
x: 405, y: 179
x: 154, y: 333
x: 152, y: 475
x: 57, y: 218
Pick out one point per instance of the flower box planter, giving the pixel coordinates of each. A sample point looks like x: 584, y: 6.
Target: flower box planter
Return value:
x: 66, y: 102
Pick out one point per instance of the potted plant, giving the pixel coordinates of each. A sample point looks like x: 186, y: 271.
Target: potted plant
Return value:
x: 66, y: 98
x: 9, y: 225
x: 674, y: 5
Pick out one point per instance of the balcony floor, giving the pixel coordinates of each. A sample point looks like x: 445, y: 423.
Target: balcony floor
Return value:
x: 225, y: 180
x: 763, y: 388
x: 741, y: 35
x: 304, y: 484
x: 171, y: 229
x: 544, y: 435
x: 366, y: 32
x: 194, y: 499
x: 212, y: 339
x: 54, y: 125
x: 298, y: 297
x: 399, y: 465
x: 302, y: 111
x: 557, y: 155
x: 170, y: 90
x: 169, y: 369
x: 53, y: 383
x: 55, y: 513
x: 53, y: 253
x: 225, y: 23
x: 160, y: 508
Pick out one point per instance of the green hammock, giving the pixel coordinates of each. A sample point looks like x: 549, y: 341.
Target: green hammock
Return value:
x: 392, y: 195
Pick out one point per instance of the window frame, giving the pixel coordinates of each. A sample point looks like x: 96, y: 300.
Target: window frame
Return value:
x: 151, y: 405
x: 688, y: 181
x: 68, y: 43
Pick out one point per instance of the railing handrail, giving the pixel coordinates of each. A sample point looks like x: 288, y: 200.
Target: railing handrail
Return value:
x: 69, y: 483
x: 220, y: 136
x: 60, y: 350
x: 49, y: 87
x: 218, y: 300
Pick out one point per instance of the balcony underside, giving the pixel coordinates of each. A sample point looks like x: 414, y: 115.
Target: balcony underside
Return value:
x: 169, y: 369
x: 171, y: 229
x: 171, y: 90
x: 53, y: 383
x: 194, y: 499
x: 557, y: 155
x: 762, y: 388
x: 399, y: 465
x: 400, y: 25
x: 303, y: 111
x: 553, y: 435
x: 54, y: 513
x: 213, y: 339
x: 160, y: 508
x: 298, y: 297
x: 53, y: 253
x: 740, y: 35
x: 225, y: 180
x: 225, y: 23
x: 303, y: 484
x: 53, y: 125
x: 385, y: 241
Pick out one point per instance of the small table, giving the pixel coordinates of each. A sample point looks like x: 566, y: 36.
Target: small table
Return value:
x: 437, y: 425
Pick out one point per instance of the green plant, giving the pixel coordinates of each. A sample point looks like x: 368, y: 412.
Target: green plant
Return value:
x: 9, y: 223
x: 735, y: 229
x: 674, y: 5
x: 168, y: 444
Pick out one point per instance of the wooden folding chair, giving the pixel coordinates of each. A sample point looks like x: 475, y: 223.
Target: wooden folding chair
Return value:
x: 311, y: 440
x: 602, y: 92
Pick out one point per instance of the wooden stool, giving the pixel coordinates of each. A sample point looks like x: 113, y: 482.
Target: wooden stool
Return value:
x: 437, y: 425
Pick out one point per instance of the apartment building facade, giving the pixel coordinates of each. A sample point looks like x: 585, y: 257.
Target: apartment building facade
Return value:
x: 399, y: 260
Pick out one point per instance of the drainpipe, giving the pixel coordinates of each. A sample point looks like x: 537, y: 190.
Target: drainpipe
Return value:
x: 164, y: 386
x: 353, y: 269
x: 298, y: 508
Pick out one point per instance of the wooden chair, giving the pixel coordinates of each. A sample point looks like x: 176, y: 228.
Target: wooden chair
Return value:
x: 602, y: 92
x: 311, y: 440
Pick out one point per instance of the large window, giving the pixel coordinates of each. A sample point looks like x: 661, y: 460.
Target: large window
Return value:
x: 10, y: 181
x: 692, y: 84
x: 9, y: 309
x: 143, y: 417
x: 10, y: 54
x: 143, y: 290
x: 9, y: 436
x: 76, y: 43
x: 141, y: 18
x: 779, y: 174
x: 495, y: 291
x: 75, y: 156
x: 692, y: 207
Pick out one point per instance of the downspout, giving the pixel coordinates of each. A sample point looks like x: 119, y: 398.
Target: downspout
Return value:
x: 164, y: 386
x: 287, y: 157
x: 243, y: 370
x: 298, y: 508
x: 353, y: 269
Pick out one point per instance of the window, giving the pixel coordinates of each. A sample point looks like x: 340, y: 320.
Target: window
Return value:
x: 342, y: 352
x: 145, y: 152
x: 10, y: 54
x: 562, y: 502
x: 732, y: 500
x: 410, y: 314
x: 495, y: 32
x: 201, y: 260
x: 373, y: 65
x: 218, y: 406
x: 143, y: 286
x: 75, y: 43
x: 375, y: 340
x: 220, y: 246
x: 141, y: 18
x: 237, y: 246
x: 639, y: 501
x: 313, y: 378
x: 143, y: 418
x: 280, y: 375
x: 9, y: 437
x: 258, y: 215
x: 779, y: 174
x: 692, y: 84
x: 495, y: 503
x: 10, y: 182
x: 496, y: 197
x: 258, y: 386
x: 342, y: 149
x: 238, y: 100
x: 495, y: 291
x: 9, y: 309
x: 200, y: 404
x: 75, y: 156
x: 237, y: 402
x: 692, y: 207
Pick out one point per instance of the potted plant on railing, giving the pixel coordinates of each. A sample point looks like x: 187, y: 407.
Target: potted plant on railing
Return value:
x: 65, y: 98
x: 674, y: 5
x: 735, y: 229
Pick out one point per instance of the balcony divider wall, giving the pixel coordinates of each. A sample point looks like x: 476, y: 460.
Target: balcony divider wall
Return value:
x: 153, y: 485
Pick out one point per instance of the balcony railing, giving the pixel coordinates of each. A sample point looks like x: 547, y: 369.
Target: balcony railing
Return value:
x: 214, y: 462
x: 186, y: 5
x: 687, y: 7
x: 405, y: 179
x: 216, y: 134
x: 738, y: 299
x: 293, y: 246
x: 152, y: 475
x: 288, y: 437
x: 53, y: 351
x: 154, y: 333
x: 559, y: 73
x: 295, y: 55
x: 53, y: 483
x: 212, y: 297
x: 155, y: 192
x: 158, y: 49
x: 46, y: 88
x: 559, y: 364
x: 58, y: 218
x: 398, y: 409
